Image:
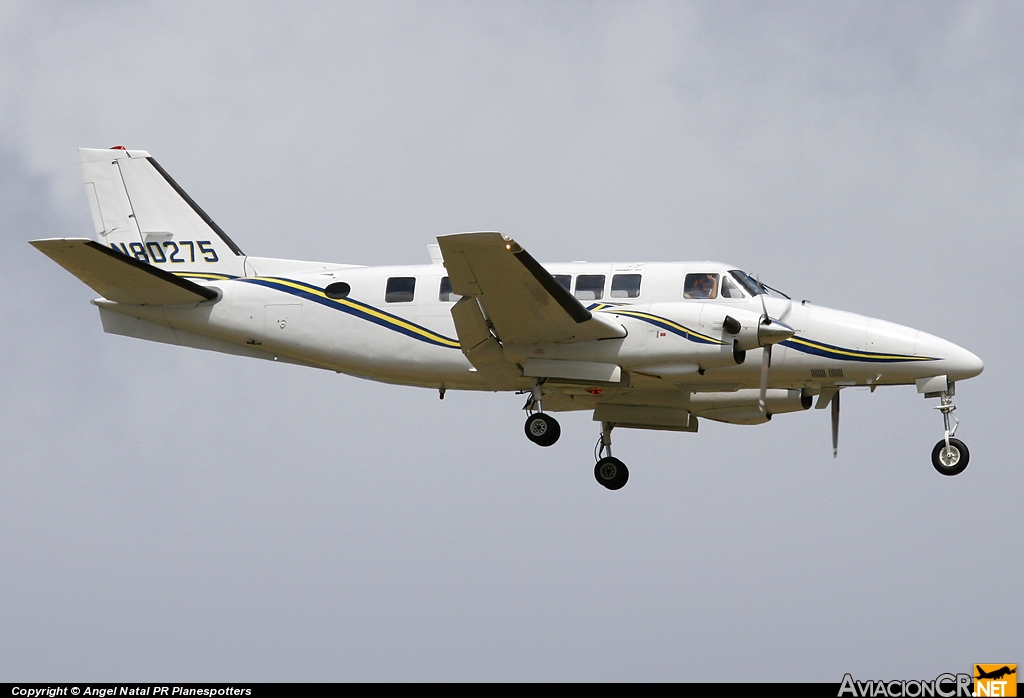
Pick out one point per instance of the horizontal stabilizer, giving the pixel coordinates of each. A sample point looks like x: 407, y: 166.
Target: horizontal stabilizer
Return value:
x: 121, y: 278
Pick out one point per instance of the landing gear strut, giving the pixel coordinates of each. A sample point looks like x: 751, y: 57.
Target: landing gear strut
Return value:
x: 609, y: 471
x: 950, y: 456
x: 540, y: 428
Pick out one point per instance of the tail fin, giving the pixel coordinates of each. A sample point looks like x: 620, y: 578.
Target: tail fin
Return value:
x: 140, y: 211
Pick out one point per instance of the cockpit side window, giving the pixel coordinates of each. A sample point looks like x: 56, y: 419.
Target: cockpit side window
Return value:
x: 730, y: 289
x: 698, y: 286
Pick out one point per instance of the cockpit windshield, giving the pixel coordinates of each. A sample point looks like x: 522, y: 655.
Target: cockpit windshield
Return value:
x: 752, y: 286
x: 749, y: 285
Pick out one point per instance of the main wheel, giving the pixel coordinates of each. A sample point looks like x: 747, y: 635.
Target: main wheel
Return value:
x: 542, y: 429
x: 611, y: 472
x: 953, y: 461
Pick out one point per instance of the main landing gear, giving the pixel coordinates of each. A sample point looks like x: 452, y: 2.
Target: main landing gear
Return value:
x: 541, y: 429
x: 609, y: 471
x: 950, y: 456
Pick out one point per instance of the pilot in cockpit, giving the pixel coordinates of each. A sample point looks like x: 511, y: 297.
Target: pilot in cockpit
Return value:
x: 699, y: 286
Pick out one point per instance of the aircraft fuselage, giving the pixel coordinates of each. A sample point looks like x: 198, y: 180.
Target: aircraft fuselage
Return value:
x: 671, y: 341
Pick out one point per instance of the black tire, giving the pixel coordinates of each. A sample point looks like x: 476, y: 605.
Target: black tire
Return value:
x: 954, y: 463
x: 611, y: 473
x: 542, y: 429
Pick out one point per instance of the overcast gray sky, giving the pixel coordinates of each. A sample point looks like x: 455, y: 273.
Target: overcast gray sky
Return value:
x: 167, y: 513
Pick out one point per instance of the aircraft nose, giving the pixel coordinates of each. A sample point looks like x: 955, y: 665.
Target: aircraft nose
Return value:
x: 959, y: 363
x: 965, y: 364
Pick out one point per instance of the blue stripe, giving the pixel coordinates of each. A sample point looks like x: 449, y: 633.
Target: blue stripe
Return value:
x: 669, y: 325
x: 361, y: 311
x: 837, y: 353
x: 209, y: 276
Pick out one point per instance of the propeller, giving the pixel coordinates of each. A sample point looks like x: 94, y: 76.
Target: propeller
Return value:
x: 766, y: 364
x: 835, y: 424
x: 766, y: 356
x: 769, y: 331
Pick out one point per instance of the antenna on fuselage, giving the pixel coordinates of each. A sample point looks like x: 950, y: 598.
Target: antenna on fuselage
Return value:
x: 835, y: 424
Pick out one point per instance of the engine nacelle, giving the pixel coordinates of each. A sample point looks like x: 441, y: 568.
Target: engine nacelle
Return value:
x: 741, y: 406
x: 735, y: 323
x: 748, y: 330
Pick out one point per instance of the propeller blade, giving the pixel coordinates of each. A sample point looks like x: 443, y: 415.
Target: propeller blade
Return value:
x: 766, y: 362
x: 764, y: 308
x: 785, y: 312
x: 835, y: 424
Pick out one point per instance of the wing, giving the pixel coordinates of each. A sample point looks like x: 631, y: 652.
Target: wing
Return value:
x: 523, y: 302
x: 121, y: 278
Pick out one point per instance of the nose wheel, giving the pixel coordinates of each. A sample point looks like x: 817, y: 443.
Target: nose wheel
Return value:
x: 950, y: 456
x: 950, y: 459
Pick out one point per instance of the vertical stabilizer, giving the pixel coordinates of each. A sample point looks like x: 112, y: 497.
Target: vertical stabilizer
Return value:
x: 139, y: 210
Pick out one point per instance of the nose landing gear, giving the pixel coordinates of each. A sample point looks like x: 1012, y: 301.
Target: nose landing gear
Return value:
x: 609, y: 471
x: 950, y: 456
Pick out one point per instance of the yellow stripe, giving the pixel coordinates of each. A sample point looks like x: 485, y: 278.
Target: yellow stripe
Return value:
x: 202, y: 275
x: 841, y: 352
x: 681, y: 328
x: 369, y: 310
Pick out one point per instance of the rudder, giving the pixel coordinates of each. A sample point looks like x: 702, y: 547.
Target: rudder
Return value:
x: 139, y: 210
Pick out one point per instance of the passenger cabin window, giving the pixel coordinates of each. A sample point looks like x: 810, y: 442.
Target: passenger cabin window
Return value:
x: 565, y: 280
x: 626, y: 286
x: 700, y: 286
x: 730, y: 289
x: 590, y: 287
x: 401, y: 289
x: 446, y: 294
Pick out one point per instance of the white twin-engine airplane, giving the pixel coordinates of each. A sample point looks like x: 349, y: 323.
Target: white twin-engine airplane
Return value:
x: 644, y: 346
